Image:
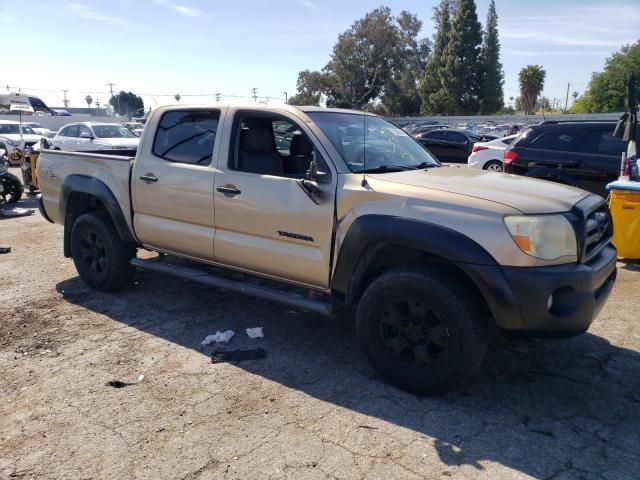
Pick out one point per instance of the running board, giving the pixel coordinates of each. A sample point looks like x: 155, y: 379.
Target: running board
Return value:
x: 258, y: 291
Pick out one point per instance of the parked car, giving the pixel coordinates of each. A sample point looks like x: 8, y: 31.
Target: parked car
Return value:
x: 432, y: 258
x: 583, y: 154
x: 449, y: 145
x: 488, y: 155
x: 39, y: 129
x: 135, y: 127
x: 15, y: 137
x: 88, y: 136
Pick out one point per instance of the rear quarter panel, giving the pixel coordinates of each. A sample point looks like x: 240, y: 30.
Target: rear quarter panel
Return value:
x: 54, y: 166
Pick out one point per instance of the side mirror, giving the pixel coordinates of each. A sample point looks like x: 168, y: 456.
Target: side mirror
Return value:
x: 313, y: 174
x: 86, y: 135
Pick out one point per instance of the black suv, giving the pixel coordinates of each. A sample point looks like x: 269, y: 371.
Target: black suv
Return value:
x: 449, y: 145
x: 582, y: 154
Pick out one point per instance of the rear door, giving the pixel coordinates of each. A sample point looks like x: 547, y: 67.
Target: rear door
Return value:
x: 457, y: 147
x: 435, y: 143
x: 600, y: 157
x: 549, y: 148
x: 173, y: 182
x: 265, y: 221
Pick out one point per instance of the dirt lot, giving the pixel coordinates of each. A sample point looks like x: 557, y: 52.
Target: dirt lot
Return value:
x: 312, y: 409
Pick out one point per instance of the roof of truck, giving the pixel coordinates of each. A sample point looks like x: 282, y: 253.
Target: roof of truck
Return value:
x: 274, y: 106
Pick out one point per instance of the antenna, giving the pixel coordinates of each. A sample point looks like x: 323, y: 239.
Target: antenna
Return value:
x: 364, y: 150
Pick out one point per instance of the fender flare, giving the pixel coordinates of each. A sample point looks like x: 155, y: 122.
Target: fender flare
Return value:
x: 91, y: 186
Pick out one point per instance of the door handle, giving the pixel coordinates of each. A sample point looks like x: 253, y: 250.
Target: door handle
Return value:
x: 230, y: 190
x: 149, y: 178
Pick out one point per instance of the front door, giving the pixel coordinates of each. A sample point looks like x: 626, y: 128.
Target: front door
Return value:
x: 266, y: 222
x: 173, y: 183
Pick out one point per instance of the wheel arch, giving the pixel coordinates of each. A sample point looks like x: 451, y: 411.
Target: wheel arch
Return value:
x: 375, y: 244
x: 80, y: 194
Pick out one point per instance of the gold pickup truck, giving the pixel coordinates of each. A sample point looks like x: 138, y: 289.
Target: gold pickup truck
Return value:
x: 339, y: 206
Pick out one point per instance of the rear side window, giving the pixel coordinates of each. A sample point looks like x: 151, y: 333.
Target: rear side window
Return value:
x: 187, y: 136
x: 561, y: 140
x: 63, y: 132
x: 435, y: 135
x: 602, y: 142
x: 72, y: 131
x: 456, y: 137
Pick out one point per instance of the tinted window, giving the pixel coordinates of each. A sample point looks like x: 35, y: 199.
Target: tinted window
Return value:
x: 435, y: 135
x: 507, y: 141
x: 9, y: 128
x: 187, y: 136
x: 601, y: 142
x: 63, y: 132
x: 456, y: 137
x: 561, y: 140
x: 112, y: 131
x: 72, y: 131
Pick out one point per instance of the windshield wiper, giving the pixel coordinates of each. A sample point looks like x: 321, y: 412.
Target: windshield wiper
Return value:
x: 425, y: 165
x: 385, y: 168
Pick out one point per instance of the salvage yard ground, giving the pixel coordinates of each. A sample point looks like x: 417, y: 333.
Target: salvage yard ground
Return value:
x: 313, y: 408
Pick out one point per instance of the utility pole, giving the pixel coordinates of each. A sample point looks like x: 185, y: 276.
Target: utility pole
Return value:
x: 566, y: 101
x: 254, y: 91
x: 65, y: 101
x: 286, y: 97
x: 111, y: 90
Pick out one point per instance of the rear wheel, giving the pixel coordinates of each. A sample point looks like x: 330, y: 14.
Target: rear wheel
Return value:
x: 493, y: 166
x: 420, y: 332
x: 101, y: 258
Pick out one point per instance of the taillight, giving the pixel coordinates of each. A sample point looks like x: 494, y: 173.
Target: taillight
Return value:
x: 509, y: 156
x: 477, y: 148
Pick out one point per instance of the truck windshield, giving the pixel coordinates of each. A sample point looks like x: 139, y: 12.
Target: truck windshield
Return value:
x: 9, y: 128
x: 370, y: 143
x: 112, y: 131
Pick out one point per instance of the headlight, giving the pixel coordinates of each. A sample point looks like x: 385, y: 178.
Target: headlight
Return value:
x: 547, y: 237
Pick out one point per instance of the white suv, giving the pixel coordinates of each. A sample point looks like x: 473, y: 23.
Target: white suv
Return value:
x: 16, y: 137
x: 88, y: 136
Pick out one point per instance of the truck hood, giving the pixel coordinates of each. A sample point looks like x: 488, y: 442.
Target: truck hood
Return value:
x: 118, y: 142
x: 525, y: 194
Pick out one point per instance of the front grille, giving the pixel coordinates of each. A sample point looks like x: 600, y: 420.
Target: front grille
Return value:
x: 594, y: 227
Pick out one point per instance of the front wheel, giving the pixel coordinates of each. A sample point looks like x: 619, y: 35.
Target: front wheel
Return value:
x: 421, y: 332
x: 101, y: 258
x: 13, y: 188
x: 493, y: 166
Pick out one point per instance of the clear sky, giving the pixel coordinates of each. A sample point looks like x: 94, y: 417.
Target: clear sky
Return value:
x: 164, y: 47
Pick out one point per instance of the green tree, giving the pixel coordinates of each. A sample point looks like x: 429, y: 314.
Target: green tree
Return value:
x: 379, y: 54
x: 126, y: 103
x: 543, y: 105
x: 531, y: 79
x: 492, y: 95
x: 517, y: 104
x: 401, y: 95
x: 434, y: 99
x: 461, y: 77
x: 89, y: 100
x: 607, y: 90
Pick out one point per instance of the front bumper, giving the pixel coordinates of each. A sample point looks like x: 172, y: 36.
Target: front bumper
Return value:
x: 519, y: 297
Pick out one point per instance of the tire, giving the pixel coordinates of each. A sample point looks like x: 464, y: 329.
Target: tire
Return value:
x: 101, y: 258
x: 493, y: 166
x: 552, y: 175
x: 13, y: 188
x: 427, y: 309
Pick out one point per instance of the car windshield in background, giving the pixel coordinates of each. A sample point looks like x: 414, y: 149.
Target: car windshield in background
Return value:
x: 369, y: 143
x: 112, y: 131
x: 9, y: 128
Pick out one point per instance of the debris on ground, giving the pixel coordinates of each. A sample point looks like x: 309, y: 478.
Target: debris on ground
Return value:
x: 238, y: 355
x: 5, y: 249
x: 117, y: 384
x: 140, y: 377
x: 219, y: 337
x: 17, y: 212
x: 255, y: 332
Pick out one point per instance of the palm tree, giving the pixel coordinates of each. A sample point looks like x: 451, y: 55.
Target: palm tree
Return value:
x: 575, y: 96
x: 531, y: 80
x: 89, y: 100
x: 177, y: 97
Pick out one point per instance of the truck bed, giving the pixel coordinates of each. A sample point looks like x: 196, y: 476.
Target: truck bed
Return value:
x: 55, y: 166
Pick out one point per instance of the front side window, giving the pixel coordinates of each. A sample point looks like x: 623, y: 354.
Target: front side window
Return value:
x: 112, y: 131
x: 186, y: 136
x: 83, y: 131
x: 370, y: 143
x: 272, y: 145
x: 27, y: 130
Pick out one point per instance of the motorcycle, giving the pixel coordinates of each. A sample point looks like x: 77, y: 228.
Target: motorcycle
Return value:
x: 11, y: 189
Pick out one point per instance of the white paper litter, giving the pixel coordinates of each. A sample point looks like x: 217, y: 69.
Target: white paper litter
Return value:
x: 141, y: 377
x: 255, y: 332
x: 219, y: 337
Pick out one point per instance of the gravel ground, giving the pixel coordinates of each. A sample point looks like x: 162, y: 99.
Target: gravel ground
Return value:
x: 313, y: 408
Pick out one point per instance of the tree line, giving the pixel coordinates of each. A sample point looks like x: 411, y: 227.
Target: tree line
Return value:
x: 381, y: 64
